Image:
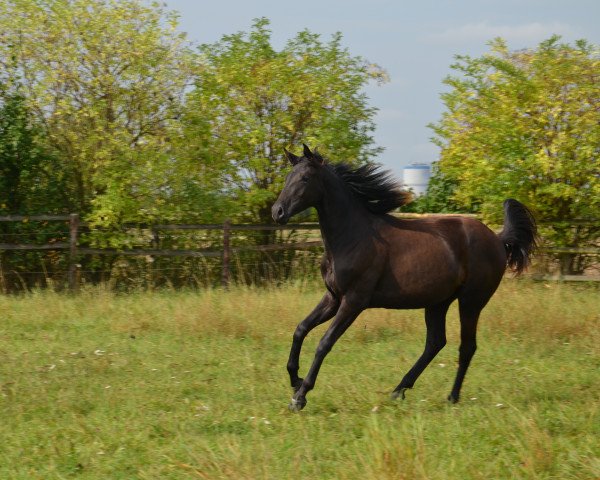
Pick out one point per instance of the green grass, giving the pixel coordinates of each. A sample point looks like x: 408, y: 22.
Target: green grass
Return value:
x: 176, y: 385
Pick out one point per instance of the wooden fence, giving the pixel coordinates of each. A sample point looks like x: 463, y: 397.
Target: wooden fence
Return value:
x: 76, y: 250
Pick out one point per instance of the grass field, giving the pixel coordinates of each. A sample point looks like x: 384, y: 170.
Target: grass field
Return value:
x: 175, y: 385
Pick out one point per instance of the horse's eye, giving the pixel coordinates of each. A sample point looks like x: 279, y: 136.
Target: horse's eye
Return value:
x: 304, y: 178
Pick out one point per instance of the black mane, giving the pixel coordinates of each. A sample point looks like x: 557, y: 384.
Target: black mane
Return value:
x: 375, y: 188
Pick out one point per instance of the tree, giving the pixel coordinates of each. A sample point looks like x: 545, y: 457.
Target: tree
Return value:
x: 28, y: 182
x: 526, y: 124
x: 106, y: 80
x: 250, y: 101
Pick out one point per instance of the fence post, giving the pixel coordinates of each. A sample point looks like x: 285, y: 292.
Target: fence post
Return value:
x: 73, y: 233
x: 225, y: 274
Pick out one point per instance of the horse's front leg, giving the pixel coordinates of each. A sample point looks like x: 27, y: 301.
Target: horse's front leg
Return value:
x: 346, y: 314
x: 325, y: 310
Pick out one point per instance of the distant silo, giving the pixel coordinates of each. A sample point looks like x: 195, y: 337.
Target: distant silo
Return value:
x: 416, y: 177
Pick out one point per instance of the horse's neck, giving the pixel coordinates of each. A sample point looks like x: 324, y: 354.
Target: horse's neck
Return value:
x: 344, y: 221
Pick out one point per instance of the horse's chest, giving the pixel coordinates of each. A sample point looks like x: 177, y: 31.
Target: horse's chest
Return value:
x: 340, y: 275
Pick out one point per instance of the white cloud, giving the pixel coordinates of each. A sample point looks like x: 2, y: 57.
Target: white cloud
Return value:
x: 483, y: 31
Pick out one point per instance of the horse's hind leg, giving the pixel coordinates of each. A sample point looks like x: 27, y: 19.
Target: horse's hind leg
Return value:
x: 435, y: 320
x: 325, y: 310
x: 468, y: 344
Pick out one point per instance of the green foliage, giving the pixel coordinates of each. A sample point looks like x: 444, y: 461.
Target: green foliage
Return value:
x: 250, y: 101
x: 526, y: 124
x: 28, y: 181
x: 106, y: 80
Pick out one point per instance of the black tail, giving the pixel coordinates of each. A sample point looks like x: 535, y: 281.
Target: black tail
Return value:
x: 519, y: 234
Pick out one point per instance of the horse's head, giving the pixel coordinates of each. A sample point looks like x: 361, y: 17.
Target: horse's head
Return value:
x: 303, y: 187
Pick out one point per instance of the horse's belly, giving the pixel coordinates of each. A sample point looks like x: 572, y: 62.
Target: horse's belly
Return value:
x: 417, y: 287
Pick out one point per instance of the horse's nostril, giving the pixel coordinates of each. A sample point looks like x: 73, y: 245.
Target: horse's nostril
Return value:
x: 278, y: 213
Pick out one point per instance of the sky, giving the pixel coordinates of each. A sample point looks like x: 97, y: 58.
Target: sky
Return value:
x: 415, y: 42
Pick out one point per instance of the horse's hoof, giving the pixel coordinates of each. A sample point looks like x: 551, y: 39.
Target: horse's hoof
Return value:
x: 399, y: 393
x: 297, y: 404
x: 452, y: 399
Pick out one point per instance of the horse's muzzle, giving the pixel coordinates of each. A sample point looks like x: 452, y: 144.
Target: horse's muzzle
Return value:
x: 278, y: 213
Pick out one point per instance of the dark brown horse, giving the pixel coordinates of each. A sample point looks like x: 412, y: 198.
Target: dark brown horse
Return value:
x: 374, y: 260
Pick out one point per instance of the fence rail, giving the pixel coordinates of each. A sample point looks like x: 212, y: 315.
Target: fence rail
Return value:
x: 27, y: 246
x: 75, y: 249
x: 34, y: 218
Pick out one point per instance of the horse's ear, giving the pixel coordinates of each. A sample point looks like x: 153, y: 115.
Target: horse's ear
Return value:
x: 307, y: 152
x: 313, y: 156
x: 293, y: 159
